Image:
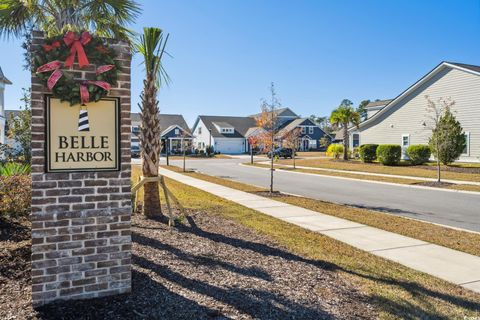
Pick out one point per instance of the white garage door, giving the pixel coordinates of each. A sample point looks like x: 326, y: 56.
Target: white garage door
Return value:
x: 229, y: 146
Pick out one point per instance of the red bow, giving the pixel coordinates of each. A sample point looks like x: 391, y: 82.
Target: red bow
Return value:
x: 56, y: 74
x: 76, y: 44
x: 85, y: 95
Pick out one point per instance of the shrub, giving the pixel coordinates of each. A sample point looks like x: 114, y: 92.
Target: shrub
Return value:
x: 15, y: 195
x: 419, y: 153
x: 389, y: 154
x: 209, y: 150
x: 334, y: 150
x: 368, y: 152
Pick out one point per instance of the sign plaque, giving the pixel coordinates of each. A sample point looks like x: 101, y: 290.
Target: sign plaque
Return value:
x: 83, y: 137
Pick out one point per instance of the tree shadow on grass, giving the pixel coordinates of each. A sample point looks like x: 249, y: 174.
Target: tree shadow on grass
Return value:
x: 149, y: 300
x: 414, y: 288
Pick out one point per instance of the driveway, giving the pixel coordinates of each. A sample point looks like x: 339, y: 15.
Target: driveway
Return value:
x: 456, y: 209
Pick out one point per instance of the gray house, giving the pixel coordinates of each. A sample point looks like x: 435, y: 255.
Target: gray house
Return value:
x: 405, y: 120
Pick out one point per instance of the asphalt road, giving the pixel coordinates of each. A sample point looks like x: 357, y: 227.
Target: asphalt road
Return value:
x: 461, y: 210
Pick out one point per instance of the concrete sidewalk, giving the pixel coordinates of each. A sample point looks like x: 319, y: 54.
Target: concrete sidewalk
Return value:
x: 451, y: 265
x: 363, y: 173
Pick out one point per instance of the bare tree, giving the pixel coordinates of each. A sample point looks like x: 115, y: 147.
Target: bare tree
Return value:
x: 268, y: 120
x: 291, y: 139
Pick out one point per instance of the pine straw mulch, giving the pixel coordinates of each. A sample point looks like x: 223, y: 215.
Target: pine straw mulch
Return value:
x: 206, y: 268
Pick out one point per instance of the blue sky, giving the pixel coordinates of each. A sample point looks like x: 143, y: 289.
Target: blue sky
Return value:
x: 226, y: 52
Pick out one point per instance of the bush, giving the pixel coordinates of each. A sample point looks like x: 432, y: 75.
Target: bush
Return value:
x: 368, y: 152
x: 419, y: 153
x: 15, y: 195
x: 334, y: 150
x: 209, y: 150
x: 389, y: 154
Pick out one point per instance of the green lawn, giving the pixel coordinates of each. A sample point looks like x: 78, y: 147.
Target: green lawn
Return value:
x: 395, y: 291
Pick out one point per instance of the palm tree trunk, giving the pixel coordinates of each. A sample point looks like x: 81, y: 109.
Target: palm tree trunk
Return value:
x: 345, y: 141
x: 151, y: 144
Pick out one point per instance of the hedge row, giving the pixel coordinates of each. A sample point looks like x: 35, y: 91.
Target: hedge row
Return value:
x: 390, y: 154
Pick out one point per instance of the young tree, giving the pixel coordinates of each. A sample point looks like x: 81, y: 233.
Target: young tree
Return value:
x: 253, y: 142
x: 343, y: 117
x: 448, y: 139
x: 185, y: 144
x: 268, y: 120
x: 20, y: 129
x: 151, y: 45
x: 108, y: 18
x: 292, y: 140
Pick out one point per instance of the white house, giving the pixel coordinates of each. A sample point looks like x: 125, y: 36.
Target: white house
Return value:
x: 226, y: 134
x: 3, y: 81
x: 405, y: 120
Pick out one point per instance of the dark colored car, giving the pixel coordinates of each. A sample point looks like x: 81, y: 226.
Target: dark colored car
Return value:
x: 281, y: 153
x: 135, y: 151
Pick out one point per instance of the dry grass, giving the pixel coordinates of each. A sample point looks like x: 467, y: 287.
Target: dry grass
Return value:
x: 395, y: 291
x: 465, y: 187
x: 403, y: 169
x: 309, y: 154
x: 465, y: 241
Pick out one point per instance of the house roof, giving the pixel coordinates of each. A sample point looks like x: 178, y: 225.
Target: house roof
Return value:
x: 223, y: 124
x: 378, y: 103
x: 291, y: 125
x: 174, y: 126
x: 3, y: 78
x: 239, y: 124
x: 281, y: 112
x: 166, y: 121
x: 441, y: 66
x: 14, y: 113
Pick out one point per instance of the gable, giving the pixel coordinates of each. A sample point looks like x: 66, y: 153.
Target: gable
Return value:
x: 420, y: 86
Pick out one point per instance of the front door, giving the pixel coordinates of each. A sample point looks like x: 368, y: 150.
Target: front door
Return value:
x: 405, y: 145
x: 305, y: 144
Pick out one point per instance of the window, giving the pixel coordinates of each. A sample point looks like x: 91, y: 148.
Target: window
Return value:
x: 177, y: 131
x: 356, y: 140
x: 304, y: 130
x: 466, y: 150
x: 199, y: 130
x: 312, y: 144
x: 310, y: 130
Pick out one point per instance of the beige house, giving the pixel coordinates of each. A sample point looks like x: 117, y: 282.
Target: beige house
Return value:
x: 405, y: 120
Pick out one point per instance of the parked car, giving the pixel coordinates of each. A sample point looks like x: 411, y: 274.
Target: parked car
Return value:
x: 135, y: 151
x: 281, y: 153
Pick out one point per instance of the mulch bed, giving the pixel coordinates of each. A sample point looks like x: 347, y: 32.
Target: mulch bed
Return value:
x: 434, y: 184
x: 206, y: 268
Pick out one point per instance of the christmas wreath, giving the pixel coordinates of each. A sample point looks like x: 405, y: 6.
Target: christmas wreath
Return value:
x: 54, y: 61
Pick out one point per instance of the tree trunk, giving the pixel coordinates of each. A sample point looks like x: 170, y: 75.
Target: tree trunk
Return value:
x: 251, y: 154
x: 438, y: 164
x: 345, y: 141
x: 271, y: 160
x: 293, y: 156
x: 184, y: 156
x: 151, y: 144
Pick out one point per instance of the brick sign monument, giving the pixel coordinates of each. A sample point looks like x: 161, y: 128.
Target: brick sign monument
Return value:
x: 81, y: 199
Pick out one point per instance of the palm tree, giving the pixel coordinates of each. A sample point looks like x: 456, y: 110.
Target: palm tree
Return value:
x: 151, y: 45
x: 343, y: 117
x: 108, y: 18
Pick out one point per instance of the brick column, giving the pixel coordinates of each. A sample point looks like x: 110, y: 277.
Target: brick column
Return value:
x: 81, y: 238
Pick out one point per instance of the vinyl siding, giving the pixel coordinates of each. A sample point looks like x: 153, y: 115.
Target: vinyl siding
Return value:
x: 407, y: 116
